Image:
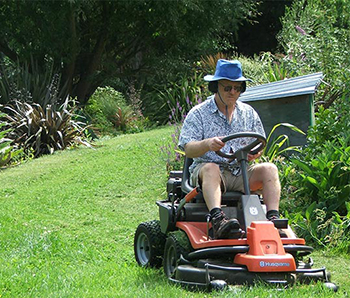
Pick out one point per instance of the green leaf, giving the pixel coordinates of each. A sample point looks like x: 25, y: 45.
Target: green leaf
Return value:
x: 309, y: 211
x: 312, y: 180
x: 304, y: 166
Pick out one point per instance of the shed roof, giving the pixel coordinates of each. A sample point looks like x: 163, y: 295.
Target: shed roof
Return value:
x: 285, y: 88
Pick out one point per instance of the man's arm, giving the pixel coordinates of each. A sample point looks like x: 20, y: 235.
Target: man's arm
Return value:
x: 198, y: 148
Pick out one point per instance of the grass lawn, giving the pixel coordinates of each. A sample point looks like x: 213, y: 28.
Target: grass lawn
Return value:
x: 67, y: 223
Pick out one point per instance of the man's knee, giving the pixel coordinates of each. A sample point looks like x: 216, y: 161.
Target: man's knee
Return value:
x: 271, y: 168
x: 267, y: 169
x: 263, y: 173
x: 209, y: 170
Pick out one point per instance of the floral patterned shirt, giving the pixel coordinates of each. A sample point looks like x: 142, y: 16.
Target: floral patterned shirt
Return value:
x: 206, y: 121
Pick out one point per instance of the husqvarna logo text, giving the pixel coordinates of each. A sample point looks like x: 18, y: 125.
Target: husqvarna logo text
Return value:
x: 253, y: 211
x: 276, y: 264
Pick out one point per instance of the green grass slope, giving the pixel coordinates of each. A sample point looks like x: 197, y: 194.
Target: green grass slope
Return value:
x: 67, y: 223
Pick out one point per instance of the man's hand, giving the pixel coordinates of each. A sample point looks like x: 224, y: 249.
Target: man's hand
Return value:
x: 215, y: 144
x: 198, y: 148
x: 255, y: 156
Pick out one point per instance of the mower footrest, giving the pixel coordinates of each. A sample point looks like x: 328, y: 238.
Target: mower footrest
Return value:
x: 281, y: 223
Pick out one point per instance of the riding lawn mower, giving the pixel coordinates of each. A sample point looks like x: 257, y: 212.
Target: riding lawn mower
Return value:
x: 260, y: 251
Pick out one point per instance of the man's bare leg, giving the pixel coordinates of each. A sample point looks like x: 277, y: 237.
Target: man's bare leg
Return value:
x: 211, y: 186
x: 265, y: 177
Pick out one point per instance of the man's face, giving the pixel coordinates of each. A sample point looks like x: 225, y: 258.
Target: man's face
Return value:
x: 229, y: 91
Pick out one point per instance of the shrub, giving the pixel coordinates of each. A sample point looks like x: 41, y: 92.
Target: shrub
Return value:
x: 101, y: 108
x: 324, y: 162
x: 316, y: 227
x: 319, y: 180
x: 325, y: 179
x: 44, y: 130
x: 8, y: 153
x: 330, y: 125
x: 5, y: 144
x: 315, y: 37
x: 109, y: 113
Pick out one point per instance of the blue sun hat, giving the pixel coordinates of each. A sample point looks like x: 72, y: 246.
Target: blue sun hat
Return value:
x: 227, y: 70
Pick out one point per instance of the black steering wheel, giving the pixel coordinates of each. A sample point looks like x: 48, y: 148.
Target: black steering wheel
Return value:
x: 253, y: 148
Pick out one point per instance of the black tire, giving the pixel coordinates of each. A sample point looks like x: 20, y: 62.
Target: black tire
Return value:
x: 149, y: 244
x: 177, y: 244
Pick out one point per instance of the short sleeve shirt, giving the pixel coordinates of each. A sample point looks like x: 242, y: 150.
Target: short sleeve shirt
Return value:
x: 206, y: 121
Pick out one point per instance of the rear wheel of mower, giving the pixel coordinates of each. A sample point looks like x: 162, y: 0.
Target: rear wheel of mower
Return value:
x: 177, y: 244
x: 149, y: 244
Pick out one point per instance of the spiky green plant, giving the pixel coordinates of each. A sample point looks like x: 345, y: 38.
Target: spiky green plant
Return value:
x: 44, y: 129
x: 279, y: 145
x: 29, y: 82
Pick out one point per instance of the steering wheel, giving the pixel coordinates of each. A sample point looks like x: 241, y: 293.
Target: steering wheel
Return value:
x: 253, y: 148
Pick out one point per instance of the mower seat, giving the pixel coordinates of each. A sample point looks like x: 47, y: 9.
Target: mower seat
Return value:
x: 228, y: 198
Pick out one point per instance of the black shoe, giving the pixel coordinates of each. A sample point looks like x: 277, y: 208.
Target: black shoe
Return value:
x: 273, y: 218
x: 223, y: 227
x: 272, y: 215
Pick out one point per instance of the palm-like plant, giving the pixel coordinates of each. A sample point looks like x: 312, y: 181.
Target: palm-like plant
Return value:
x: 44, y: 130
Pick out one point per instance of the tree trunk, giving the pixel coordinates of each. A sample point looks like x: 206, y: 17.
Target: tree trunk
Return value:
x: 85, y: 81
x: 68, y: 74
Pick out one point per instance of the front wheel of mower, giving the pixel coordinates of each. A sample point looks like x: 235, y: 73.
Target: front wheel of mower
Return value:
x: 176, y: 245
x: 149, y: 244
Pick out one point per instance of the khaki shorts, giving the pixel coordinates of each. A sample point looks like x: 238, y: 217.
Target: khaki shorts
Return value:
x: 229, y: 181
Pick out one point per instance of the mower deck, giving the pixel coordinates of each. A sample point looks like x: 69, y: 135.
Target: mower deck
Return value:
x: 204, y: 272
x: 248, y: 260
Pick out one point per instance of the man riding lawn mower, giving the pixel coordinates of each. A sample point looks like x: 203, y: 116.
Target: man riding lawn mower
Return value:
x: 212, y: 231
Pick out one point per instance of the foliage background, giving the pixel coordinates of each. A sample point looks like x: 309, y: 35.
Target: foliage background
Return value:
x: 148, y: 58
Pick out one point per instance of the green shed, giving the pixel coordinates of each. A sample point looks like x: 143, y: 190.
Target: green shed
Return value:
x: 289, y: 100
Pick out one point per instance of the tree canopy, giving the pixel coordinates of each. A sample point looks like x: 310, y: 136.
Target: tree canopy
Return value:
x: 91, y: 41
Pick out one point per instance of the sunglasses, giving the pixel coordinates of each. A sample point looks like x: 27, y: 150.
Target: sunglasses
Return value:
x: 229, y: 88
